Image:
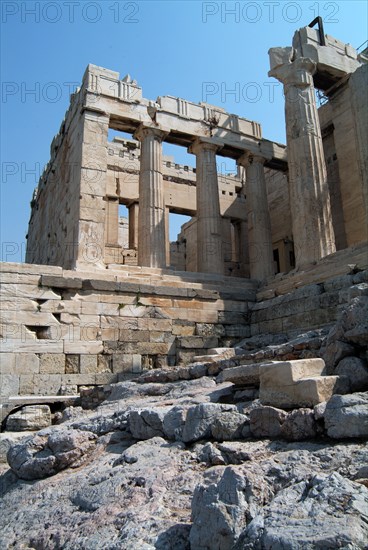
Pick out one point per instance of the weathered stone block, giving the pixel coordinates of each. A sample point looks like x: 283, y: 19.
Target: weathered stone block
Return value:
x: 237, y: 331
x: 77, y: 379
x: 230, y: 425
x: 197, y: 342
x: 83, y: 347
x: 134, y: 335
x: 244, y: 375
x: 299, y: 425
x: 60, y: 282
x: 151, y: 348
x: 122, y: 362
x: 147, y: 423
x: 88, y: 364
x: 266, y: 421
x: 104, y: 378
x: 26, y: 384
x: 200, y: 418
x: 155, y: 324
x: 30, y: 417
x: 183, y: 330
x: 27, y: 363
x: 47, y: 384
x: 7, y: 363
x: 288, y: 384
x: 72, y: 364
x: 346, y: 416
x: 104, y: 363
x: 9, y: 384
x: 355, y: 370
x: 209, y: 329
x: 52, y: 363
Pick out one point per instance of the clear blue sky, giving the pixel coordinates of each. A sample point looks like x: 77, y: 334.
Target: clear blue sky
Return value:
x: 201, y: 51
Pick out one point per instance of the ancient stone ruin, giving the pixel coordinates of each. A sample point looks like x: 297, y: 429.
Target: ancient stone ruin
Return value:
x: 218, y: 351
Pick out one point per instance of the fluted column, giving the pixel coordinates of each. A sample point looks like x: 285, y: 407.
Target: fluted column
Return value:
x: 309, y: 195
x: 209, y: 227
x: 258, y: 218
x: 151, y: 217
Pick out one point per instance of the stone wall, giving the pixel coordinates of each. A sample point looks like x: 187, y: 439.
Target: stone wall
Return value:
x: 344, y: 122
x: 55, y: 208
x: 63, y: 329
x: 311, y: 299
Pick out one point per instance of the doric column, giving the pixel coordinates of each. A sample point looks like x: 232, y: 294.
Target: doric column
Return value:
x: 151, y: 220
x: 209, y: 227
x: 309, y: 196
x: 258, y: 218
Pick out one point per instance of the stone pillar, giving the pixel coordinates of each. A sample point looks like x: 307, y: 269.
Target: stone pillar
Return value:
x: 209, y: 226
x: 92, y: 155
x: 151, y: 220
x: 133, y: 225
x: 309, y: 196
x: 258, y: 218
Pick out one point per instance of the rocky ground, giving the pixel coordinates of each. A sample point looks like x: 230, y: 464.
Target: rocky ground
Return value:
x: 185, y: 459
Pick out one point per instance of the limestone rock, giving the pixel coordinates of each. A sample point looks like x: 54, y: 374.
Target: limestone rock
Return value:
x: 173, y: 423
x: 7, y: 440
x: 335, y: 351
x: 230, y: 425
x: 48, y: 452
x: 221, y: 510
x: 29, y: 418
x: 147, y: 423
x: 299, y: 425
x: 327, y: 512
x: 355, y: 370
x: 319, y: 410
x: 266, y: 421
x: 118, y: 476
x: 346, y: 416
x: 350, y: 332
x: 209, y: 454
x: 200, y: 418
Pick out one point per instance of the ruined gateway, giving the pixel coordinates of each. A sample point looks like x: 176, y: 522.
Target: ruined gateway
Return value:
x: 217, y: 384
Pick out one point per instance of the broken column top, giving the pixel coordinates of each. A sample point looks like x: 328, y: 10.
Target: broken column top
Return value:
x: 334, y: 59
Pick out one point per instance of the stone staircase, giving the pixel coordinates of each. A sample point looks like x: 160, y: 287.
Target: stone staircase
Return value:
x: 299, y: 383
x: 284, y: 384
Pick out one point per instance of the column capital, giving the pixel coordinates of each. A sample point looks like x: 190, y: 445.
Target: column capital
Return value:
x: 248, y: 158
x: 145, y: 130
x: 296, y: 73
x: 203, y: 144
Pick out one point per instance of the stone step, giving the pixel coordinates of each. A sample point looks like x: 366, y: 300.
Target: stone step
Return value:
x: 331, y: 266
x: 290, y: 384
x: 228, y: 352
x: 244, y: 375
x: 215, y: 354
x: 288, y: 372
x: 205, y: 358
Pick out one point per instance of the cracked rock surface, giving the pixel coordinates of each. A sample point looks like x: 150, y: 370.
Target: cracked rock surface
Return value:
x: 178, y: 466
